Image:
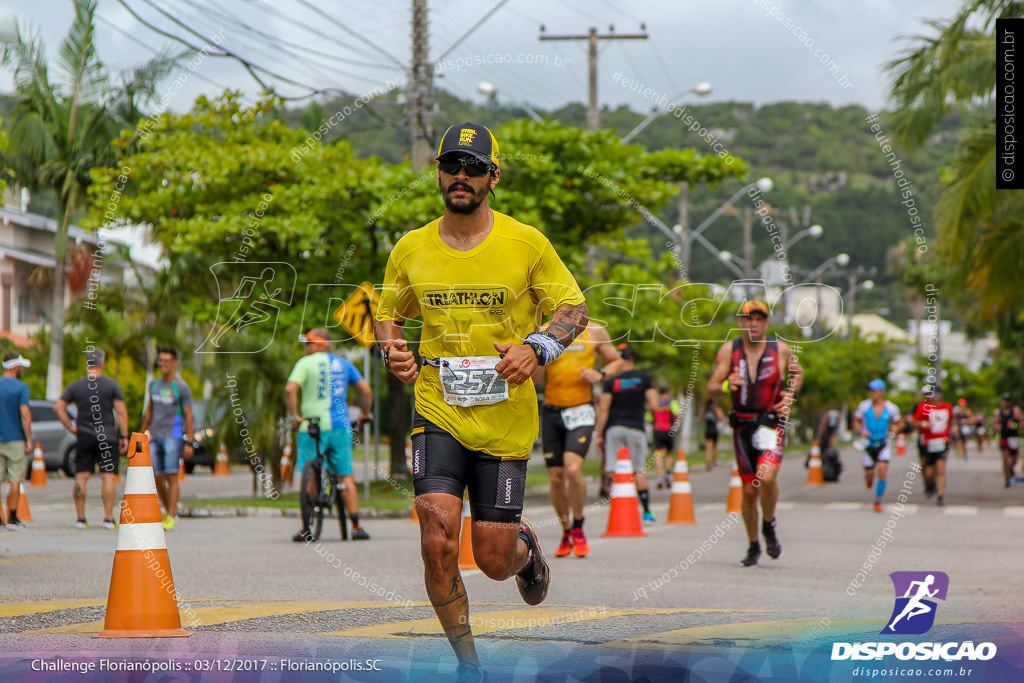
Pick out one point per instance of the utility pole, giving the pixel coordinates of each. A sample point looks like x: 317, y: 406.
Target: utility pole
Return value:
x: 592, y: 37
x: 421, y: 95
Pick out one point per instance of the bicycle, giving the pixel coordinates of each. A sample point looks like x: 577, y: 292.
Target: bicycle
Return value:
x: 316, y: 478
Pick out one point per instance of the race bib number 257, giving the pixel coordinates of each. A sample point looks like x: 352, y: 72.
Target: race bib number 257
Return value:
x: 472, y: 381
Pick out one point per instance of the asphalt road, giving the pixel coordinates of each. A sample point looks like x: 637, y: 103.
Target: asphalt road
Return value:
x: 675, y: 598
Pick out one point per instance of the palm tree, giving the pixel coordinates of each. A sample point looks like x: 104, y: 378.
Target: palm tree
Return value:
x: 61, y: 128
x: 981, y: 233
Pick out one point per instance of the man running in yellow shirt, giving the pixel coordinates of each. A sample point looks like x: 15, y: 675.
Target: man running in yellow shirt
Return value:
x: 481, y: 281
x: 567, y: 426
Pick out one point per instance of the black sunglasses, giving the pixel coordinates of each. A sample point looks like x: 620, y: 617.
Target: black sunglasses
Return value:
x: 474, y: 167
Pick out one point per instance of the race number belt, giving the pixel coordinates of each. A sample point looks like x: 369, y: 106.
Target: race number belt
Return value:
x: 936, y: 445
x: 471, y: 380
x: 579, y: 416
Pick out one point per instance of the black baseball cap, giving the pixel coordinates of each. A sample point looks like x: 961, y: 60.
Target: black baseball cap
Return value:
x: 626, y: 352
x: 1007, y: 397
x: 470, y: 138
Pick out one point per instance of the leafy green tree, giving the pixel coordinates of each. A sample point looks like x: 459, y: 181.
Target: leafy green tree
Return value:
x: 230, y: 184
x: 981, y: 231
x: 61, y: 128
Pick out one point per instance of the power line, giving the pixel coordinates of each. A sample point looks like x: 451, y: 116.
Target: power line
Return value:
x: 664, y: 65
x: 248, y: 65
x: 310, y: 65
x: 472, y: 28
x: 355, y: 35
x: 281, y: 41
x: 156, y: 52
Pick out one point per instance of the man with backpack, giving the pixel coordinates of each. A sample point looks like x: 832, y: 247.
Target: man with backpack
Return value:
x: 168, y: 416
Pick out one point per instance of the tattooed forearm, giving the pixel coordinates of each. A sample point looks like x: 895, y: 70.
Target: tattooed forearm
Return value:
x: 568, y: 322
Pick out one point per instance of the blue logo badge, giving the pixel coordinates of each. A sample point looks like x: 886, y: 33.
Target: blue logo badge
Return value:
x: 916, y: 592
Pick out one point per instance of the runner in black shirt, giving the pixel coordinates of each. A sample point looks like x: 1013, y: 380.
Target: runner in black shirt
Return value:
x: 621, y: 412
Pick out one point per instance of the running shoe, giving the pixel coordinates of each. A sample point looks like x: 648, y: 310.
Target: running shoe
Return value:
x: 648, y: 518
x: 579, y: 543
x: 661, y: 484
x: 534, y: 579
x: 753, y: 552
x: 169, y: 523
x: 303, y: 537
x: 771, y: 541
x: 81, y: 524
x: 565, y: 549
x: 940, y: 501
x: 929, y: 489
x: 1007, y: 483
x: 878, y: 507
x: 359, y: 534
x: 109, y: 524
x: 16, y: 525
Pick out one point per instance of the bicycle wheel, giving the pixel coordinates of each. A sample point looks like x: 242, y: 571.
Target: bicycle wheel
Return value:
x: 312, y: 505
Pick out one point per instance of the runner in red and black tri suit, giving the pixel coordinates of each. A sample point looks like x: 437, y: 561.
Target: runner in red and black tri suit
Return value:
x: 764, y: 377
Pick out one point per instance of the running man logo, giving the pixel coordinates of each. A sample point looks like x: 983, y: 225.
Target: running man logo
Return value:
x: 249, y: 314
x: 466, y: 136
x: 913, y: 612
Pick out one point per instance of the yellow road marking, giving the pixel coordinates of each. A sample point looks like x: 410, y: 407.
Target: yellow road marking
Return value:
x: 20, y: 609
x: 208, y: 616
x: 505, y: 620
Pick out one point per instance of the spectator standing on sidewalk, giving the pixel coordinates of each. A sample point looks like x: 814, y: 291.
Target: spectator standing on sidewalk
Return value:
x: 15, y: 433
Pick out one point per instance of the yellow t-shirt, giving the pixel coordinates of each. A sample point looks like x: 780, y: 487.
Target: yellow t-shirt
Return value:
x: 504, y: 286
x: 563, y: 386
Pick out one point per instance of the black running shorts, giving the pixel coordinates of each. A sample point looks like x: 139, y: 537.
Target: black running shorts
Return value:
x: 92, y: 451
x: 556, y: 439
x: 663, y: 441
x: 440, y: 464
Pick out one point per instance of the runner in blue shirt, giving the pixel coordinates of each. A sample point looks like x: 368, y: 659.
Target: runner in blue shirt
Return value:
x: 873, y: 420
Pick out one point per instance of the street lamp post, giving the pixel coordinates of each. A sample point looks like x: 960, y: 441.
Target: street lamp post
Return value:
x: 701, y: 89
x: 815, y: 231
x: 490, y: 90
x: 852, y: 275
x: 687, y: 237
x: 840, y: 260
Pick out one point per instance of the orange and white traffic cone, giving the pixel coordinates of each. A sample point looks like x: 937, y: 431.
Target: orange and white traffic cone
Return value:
x: 222, y: 468
x: 735, y: 502
x: 23, y: 512
x: 680, y: 506
x: 141, y: 602
x: 466, y: 558
x: 181, y: 470
x: 287, y: 469
x: 901, y: 444
x: 38, y: 467
x: 815, y: 477
x: 624, y: 511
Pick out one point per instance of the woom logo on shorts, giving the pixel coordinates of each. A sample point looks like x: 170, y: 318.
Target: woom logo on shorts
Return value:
x: 912, y: 614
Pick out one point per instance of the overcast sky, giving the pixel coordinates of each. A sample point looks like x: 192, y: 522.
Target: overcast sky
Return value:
x: 749, y: 50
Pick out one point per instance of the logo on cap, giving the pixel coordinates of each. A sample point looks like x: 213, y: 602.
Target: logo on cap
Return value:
x: 466, y: 136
